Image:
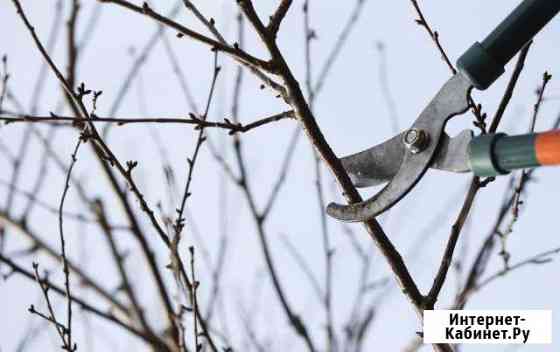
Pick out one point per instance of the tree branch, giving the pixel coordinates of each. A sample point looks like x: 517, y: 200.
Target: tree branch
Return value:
x: 278, y: 16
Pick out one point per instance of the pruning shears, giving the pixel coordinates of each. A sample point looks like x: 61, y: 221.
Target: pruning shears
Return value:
x: 404, y: 159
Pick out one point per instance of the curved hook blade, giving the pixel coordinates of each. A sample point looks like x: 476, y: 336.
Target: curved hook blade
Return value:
x: 450, y: 101
x: 376, y: 165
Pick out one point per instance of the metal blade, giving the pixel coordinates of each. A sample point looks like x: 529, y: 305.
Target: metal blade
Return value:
x: 453, y: 153
x: 379, y: 164
x: 450, y: 101
x: 375, y: 165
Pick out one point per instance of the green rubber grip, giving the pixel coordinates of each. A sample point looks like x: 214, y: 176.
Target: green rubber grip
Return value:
x: 516, y: 152
x: 483, y: 63
x: 497, y: 154
x: 482, y: 157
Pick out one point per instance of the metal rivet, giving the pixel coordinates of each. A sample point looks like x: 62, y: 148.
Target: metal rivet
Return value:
x: 416, y: 140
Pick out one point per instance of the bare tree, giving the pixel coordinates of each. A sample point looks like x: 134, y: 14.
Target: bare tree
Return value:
x: 165, y: 287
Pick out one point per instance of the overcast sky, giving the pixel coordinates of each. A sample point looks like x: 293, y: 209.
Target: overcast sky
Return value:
x: 353, y: 113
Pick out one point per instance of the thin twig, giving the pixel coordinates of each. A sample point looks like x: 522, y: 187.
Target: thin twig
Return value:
x: 235, y: 52
x: 51, y: 41
x: 433, y: 34
x: 41, y: 175
x: 5, y: 78
x: 179, y: 222
x: 475, y: 108
x: 104, y: 154
x: 326, y: 299
x: 119, y: 261
x: 476, y: 185
x: 285, y: 166
x: 210, y: 24
x: 482, y: 258
x: 41, y: 245
x: 72, y: 347
x: 308, y: 121
x: 339, y: 44
x: 510, y: 88
x: 217, y: 274
x: 441, y: 275
x: 178, y: 70
x: 523, y: 177
x: 150, y: 339
x: 384, y: 82
x: 62, y: 330
x: 278, y: 16
x: 300, y: 260
x: 538, y: 259
x: 46, y: 206
x: 191, y: 120
x: 309, y: 124
x: 194, y: 301
x: 295, y: 321
x: 141, y: 59
x: 23, y: 148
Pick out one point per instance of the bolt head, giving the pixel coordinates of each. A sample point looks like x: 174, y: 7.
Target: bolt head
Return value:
x: 416, y: 140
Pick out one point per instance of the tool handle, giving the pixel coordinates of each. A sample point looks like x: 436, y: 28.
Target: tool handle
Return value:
x: 496, y: 154
x: 484, y: 62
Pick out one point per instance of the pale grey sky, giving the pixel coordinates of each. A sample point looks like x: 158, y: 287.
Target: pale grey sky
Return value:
x: 353, y: 115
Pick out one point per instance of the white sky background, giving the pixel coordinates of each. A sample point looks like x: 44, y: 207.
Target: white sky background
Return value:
x: 353, y: 115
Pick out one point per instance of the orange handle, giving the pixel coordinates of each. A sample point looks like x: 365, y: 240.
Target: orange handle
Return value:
x: 547, y: 147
